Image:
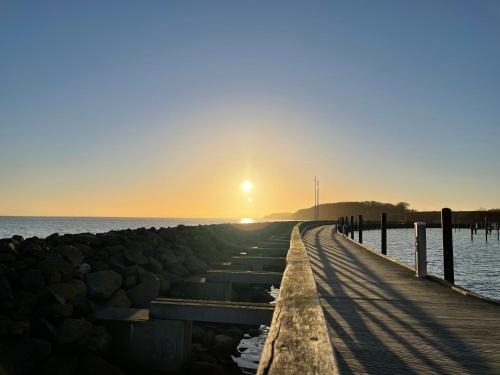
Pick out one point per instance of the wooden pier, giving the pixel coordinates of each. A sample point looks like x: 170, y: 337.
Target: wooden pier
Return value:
x: 342, y: 309
x: 381, y: 319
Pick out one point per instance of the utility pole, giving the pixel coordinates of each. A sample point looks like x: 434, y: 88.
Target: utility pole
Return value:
x: 316, y: 198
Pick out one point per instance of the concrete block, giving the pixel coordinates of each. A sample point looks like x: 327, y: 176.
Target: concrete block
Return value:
x: 244, y: 277
x: 275, y: 243
x: 212, y: 311
x: 215, y: 291
x: 143, y: 344
x: 257, y: 263
x: 265, y: 251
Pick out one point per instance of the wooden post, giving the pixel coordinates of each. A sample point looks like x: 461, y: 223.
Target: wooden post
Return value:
x: 383, y: 226
x: 447, y: 245
x: 352, y: 227
x: 360, y: 228
x: 420, y: 250
x: 471, y: 233
x: 486, y: 228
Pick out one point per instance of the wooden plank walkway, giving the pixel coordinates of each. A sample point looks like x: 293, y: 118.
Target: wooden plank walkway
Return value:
x: 383, y: 320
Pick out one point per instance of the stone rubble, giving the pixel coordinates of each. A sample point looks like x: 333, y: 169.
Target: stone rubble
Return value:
x: 50, y: 288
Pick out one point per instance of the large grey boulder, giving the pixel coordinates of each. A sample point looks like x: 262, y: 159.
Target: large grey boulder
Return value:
x: 119, y: 299
x: 204, y: 367
x: 224, y: 344
x: 56, y: 310
x: 32, y: 280
x: 195, y: 265
x: 102, y: 284
x: 53, y: 266
x: 63, y: 292
x: 134, y: 256
x: 147, y: 290
x: 19, y: 356
x: 60, y: 365
x: 166, y: 256
x: 9, y: 272
x: 164, y: 284
x: 73, y: 330
x: 117, y: 263
x: 6, y: 293
x: 154, y: 266
x: 24, y: 302
x: 71, y: 253
x: 98, y: 341
x: 94, y: 365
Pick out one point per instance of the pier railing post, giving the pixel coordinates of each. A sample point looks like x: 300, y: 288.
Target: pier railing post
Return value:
x: 447, y: 245
x: 420, y: 250
x: 352, y: 227
x: 360, y: 228
x: 383, y: 226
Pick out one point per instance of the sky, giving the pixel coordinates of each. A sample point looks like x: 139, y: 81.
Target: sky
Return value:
x: 164, y: 108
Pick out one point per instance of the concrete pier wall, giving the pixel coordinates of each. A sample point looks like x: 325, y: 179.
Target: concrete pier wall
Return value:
x: 144, y: 343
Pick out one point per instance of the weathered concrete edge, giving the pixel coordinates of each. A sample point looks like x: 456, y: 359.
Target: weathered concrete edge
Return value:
x: 298, y: 341
x: 438, y: 280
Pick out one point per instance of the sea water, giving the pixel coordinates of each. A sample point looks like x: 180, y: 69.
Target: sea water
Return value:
x: 29, y: 226
x: 476, y: 263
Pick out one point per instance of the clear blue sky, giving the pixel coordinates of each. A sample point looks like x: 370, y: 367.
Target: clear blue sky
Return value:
x: 160, y: 108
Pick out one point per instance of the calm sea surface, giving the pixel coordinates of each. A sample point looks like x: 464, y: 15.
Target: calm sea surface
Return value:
x: 44, y: 226
x: 477, y: 263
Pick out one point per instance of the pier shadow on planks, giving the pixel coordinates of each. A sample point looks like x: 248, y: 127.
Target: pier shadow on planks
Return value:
x: 384, y: 320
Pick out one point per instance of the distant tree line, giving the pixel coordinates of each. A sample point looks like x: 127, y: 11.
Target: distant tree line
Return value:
x: 396, y: 213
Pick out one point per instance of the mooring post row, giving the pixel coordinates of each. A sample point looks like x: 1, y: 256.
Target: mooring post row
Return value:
x: 446, y: 222
x: 360, y: 229
x: 420, y: 249
x: 383, y: 230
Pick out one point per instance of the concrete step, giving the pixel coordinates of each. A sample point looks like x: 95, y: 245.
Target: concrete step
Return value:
x: 244, y: 277
x: 274, y: 244
x: 265, y: 251
x: 121, y: 313
x: 249, y: 260
x: 212, y: 311
x: 202, y: 290
x: 140, y: 342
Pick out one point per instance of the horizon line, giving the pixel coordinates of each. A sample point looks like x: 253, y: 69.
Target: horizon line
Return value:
x: 124, y: 217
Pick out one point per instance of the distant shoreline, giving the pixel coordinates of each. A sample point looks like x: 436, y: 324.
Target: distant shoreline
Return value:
x: 400, y: 213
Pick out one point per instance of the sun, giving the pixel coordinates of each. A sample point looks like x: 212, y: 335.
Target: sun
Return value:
x: 247, y: 186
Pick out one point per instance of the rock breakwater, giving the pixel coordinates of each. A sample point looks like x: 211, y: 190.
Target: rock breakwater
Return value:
x: 50, y: 289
